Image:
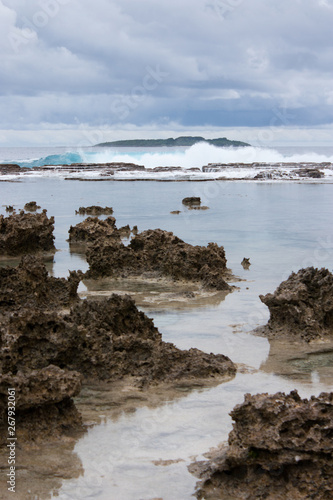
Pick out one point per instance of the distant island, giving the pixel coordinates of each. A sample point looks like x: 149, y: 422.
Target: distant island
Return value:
x: 179, y: 141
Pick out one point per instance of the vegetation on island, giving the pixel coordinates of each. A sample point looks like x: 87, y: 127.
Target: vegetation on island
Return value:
x: 179, y: 141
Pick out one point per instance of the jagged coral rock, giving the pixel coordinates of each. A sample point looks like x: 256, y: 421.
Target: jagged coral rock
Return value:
x: 94, y: 210
x: 46, y: 346
x: 302, y: 305
x: 191, y: 200
x: 31, y: 206
x: 43, y: 402
x: 94, y: 229
x: 106, y: 339
x: 26, y: 233
x: 280, y: 447
x: 163, y: 253
x: 29, y: 285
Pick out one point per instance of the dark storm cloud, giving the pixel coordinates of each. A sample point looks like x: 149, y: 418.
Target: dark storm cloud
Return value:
x: 195, y: 62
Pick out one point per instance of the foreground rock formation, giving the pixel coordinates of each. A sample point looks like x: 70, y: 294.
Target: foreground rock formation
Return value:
x: 160, y: 252
x: 280, y: 447
x: 26, y: 233
x: 102, y: 340
x: 301, y: 306
x: 50, y: 341
x: 44, y: 408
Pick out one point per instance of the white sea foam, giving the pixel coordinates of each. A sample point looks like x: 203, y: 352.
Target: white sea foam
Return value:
x: 201, y: 154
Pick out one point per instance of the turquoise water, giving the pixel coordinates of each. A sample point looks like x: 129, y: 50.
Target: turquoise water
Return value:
x: 281, y: 228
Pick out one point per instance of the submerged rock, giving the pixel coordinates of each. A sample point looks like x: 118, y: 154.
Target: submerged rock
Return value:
x: 302, y: 305
x: 280, y: 447
x: 94, y: 210
x: 31, y: 206
x: 26, y: 233
x: 160, y: 252
x: 201, y: 207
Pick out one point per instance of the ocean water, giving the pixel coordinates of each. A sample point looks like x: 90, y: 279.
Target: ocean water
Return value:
x: 281, y: 227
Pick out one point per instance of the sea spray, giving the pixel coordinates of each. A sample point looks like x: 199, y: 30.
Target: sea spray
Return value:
x: 199, y: 155
x: 196, y: 156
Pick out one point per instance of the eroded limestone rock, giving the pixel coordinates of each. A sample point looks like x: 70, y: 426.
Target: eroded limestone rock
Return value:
x: 103, y: 340
x: 29, y: 285
x: 302, y: 305
x: 24, y: 233
x: 11, y: 168
x: 246, y: 263
x: 31, y: 206
x: 191, y: 200
x: 45, y: 344
x: 94, y: 229
x: 43, y: 404
x: 159, y: 252
x: 94, y: 210
x: 280, y: 447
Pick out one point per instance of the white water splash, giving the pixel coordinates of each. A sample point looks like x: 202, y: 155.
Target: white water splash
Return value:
x: 199, y: 155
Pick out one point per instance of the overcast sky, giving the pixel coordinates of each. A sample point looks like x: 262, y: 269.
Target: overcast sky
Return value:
x: 78, y: 70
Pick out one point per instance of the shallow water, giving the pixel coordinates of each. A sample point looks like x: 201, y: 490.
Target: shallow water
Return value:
x: 281, y: 228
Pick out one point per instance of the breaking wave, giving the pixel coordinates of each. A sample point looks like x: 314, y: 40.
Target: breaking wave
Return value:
x: 195, y: 156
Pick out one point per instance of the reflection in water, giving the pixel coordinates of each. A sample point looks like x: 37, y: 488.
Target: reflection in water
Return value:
x: 41, y: 469
x: 156, y: 293
x: 77, y: 248
x: 301, y: 361
x: 149, y: 448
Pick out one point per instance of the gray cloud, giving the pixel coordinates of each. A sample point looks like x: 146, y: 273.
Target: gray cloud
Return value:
x: 195, y: 63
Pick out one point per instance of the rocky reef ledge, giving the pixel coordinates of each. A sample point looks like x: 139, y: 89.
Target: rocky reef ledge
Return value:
x: 121, y: 171
x: 51, y: 338
x: 281, y: 447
